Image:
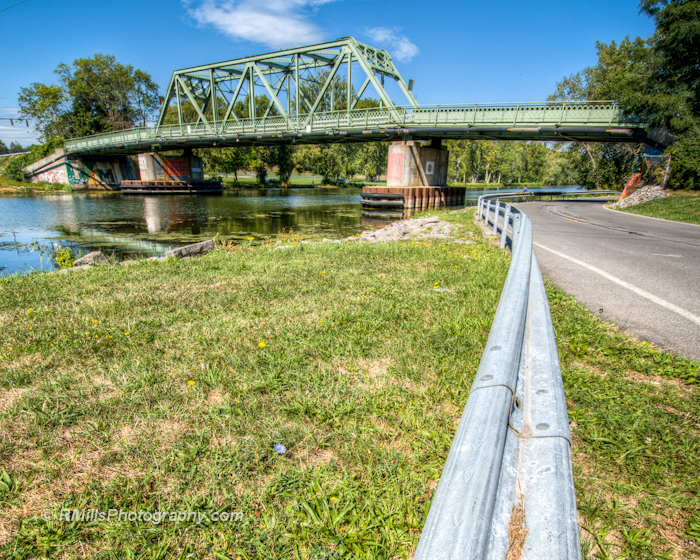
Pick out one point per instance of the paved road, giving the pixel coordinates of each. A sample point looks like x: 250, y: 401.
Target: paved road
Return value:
x: 644, y: 273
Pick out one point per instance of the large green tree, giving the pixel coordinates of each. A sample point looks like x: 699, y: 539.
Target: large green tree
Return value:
x: 93, y: 95
x: 657, y: 78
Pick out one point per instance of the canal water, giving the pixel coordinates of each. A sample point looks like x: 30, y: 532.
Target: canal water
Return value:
x: 140, y: 226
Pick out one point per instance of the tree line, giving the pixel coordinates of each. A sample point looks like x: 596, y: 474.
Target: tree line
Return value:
x: 657, y: 78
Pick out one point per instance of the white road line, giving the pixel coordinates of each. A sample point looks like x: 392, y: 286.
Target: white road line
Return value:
x: 662, y: 302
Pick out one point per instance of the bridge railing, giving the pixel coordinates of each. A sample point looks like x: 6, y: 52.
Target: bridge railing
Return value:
x: 507, y: 487
x: 590, y: 113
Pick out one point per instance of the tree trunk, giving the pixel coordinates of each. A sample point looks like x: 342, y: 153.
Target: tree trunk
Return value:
x: 587, y: 147
x: 667, y: 173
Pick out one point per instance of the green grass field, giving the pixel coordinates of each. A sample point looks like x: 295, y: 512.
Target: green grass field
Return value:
x: 682, y: 206
x: 164, y: 386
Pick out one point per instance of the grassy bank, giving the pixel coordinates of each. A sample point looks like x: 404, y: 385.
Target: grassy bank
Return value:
x: 683, y: 206
x: 634, y: 415
x: 362, y: 377
x: 165, y: 385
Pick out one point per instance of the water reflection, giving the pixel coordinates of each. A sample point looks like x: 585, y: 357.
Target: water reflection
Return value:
x: 130, y: 226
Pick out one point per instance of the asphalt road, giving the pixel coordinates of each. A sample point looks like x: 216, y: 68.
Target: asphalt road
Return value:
x: 643, y: 273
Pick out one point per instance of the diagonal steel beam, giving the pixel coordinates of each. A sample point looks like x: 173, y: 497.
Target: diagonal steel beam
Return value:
x: 166, y: 102
x: 370, y: 74
x: 241, y: 80
x: 329, y: 80
x: 278, y: 88
x: 361, y: 91
x: 187, y: 91
x: 271, y: 92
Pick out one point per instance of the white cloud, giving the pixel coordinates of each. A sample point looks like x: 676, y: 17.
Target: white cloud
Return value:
x: 275, y: 23
x: 398, y: 45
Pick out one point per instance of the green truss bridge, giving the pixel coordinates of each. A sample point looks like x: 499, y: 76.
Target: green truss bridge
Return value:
x: 321, y: 94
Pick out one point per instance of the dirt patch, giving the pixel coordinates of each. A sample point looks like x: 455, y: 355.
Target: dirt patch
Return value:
x: 375, y: 373
x: 9, y: 397
x: 316, y: 457
x: 215, y: 398
x: 517, y: 531
x: 660, y: 381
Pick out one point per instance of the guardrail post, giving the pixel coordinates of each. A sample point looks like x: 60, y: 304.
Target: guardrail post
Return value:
x: 486, y: 213
x: 496, y: 215
x: 504, y: 231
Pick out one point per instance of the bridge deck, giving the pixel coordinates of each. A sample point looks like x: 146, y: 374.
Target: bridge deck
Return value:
x: 594, y: 121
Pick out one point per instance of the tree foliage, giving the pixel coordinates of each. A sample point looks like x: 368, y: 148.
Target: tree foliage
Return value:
x: 657, y: 78
x: 93, y: 95
x: 13, y: 148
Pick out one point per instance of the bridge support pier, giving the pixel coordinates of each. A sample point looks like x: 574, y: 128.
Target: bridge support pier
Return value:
x: 413, y: 165
x: 419, y: 174
x: 157, y: 167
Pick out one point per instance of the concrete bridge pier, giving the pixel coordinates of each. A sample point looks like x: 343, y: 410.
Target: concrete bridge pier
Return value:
x: 156, y: 167
x: 419, y: 174
x: 164, y: 174
x: 413, y: 165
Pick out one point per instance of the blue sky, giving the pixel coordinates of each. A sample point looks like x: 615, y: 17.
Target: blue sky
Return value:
x: 456, y: 51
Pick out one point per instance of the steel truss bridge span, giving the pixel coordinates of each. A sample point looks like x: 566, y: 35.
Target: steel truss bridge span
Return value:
x: 554, y: 121
x: 329, y: 93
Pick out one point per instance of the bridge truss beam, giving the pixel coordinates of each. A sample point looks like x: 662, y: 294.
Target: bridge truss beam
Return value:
x: 549, y: 122
x: 294, y: 81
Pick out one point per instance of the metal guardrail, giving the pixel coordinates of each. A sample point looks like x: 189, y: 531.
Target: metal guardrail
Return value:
x: 551, y: 193
x: 507, y: 487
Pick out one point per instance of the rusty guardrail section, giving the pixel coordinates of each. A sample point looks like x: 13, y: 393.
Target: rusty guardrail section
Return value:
x: 507, y: 488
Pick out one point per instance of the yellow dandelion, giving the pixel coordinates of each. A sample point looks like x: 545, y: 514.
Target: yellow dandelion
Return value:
x: 126, y: 334
x: 95, y: 321
x: 29, y: 309
x: 88, y: 332
x: 250, y: 238
x: 190, y: 383
x: 110, y: 336
x: 262, y: 344
x: 323, y: 272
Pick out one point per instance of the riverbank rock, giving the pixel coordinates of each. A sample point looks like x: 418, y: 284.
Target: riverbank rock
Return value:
x: 644, y: 194
x: 95, y: 258
x: 404, y: 230
x: 194, y: 250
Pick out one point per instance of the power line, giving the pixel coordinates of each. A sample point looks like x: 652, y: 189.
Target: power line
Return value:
x: 13, y: 5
